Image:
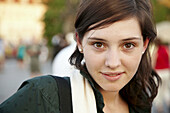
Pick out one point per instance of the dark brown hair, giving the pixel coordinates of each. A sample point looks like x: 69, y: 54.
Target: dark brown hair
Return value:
x: 142, y: 89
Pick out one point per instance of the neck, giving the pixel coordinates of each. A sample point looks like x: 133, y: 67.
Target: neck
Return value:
x: 113, y: 102
x: 111, y: 97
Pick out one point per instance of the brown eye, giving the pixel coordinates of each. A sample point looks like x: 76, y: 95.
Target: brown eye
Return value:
x: 98, y: 45
x: 128, y: 46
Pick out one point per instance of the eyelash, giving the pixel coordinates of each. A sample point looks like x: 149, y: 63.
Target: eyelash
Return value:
x: 103, y: 46
x: 132, y: 45
x: 95, y: 45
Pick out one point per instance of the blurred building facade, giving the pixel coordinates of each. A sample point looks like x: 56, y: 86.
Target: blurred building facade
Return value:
x: 21, y: 20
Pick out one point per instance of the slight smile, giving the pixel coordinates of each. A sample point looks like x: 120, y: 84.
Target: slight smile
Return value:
x: 112, y: 76
x: 112, y: 73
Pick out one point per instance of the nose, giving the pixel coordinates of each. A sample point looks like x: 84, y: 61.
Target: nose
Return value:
x: 113, y: 59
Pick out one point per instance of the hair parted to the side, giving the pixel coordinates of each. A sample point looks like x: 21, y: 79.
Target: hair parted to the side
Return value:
x: 94, y: 14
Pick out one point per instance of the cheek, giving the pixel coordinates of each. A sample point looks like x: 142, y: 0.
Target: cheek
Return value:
x: 132, y: 63
x: 93, y: 61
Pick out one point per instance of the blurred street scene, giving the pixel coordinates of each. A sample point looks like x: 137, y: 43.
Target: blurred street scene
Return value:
x: 37, y: 38
x: 13, y: 75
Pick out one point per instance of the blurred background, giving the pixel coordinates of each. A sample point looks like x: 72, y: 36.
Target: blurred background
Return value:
x: 33, y: 33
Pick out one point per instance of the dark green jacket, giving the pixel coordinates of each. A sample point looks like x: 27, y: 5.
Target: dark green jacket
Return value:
x: 40, y: 95
x: 37, y: 95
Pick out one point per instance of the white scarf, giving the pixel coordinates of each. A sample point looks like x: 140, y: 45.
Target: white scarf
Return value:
x: 83, y: 98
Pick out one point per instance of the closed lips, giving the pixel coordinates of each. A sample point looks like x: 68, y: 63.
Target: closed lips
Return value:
x: 112, y: 74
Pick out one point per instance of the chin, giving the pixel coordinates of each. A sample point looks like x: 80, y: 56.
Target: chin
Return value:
x: 112, y: 89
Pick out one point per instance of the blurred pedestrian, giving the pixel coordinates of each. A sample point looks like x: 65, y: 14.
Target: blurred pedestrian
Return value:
x: 44, y: 51
x: 21, y: 52
x: 60, y: 65
x: 115, y: 76
x: 161, y: 64
x: 58, y: 43
x: 2, y: 54
x: 33, y: 51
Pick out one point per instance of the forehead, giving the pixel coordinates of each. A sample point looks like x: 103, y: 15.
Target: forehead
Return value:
x: 126, y: 27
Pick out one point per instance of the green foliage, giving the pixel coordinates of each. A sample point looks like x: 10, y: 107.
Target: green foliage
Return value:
x: 161, y: 13
x: 59, y: 17
x: 54, y: 18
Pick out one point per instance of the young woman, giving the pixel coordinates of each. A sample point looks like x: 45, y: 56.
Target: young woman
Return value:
x: 116, y: 76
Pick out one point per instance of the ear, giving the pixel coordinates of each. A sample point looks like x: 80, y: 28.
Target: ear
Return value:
x: 79, y: 44
x: 145, y: 45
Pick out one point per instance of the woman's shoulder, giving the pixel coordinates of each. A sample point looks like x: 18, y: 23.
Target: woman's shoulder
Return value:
x: 40, y: 81
x: 31, y: 94
x: 45, y: 84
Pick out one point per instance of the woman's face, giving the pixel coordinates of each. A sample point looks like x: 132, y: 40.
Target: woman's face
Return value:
x: 112, y: 54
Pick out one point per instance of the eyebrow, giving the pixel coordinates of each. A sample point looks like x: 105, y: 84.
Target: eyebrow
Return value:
x: 127, y: 39
x: 132, y: 38
x: 94, y: 38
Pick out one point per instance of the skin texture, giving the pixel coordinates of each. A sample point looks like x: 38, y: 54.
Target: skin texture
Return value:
x: 112, y: 55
